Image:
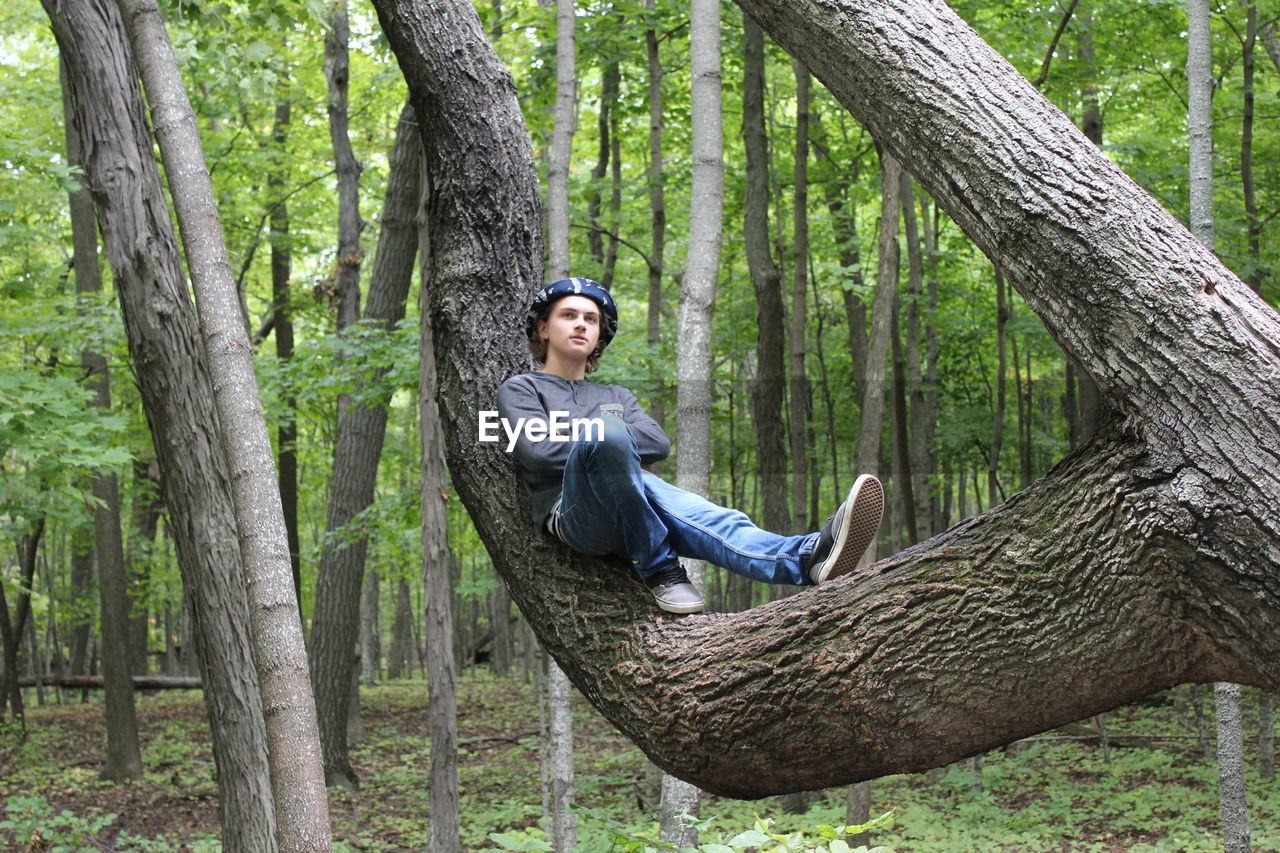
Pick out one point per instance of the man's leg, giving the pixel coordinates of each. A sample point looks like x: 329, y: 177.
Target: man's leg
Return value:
x: 604, y: 510
x: 725, y: 537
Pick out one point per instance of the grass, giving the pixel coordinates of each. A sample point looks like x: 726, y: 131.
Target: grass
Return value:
x: 1047, y: 795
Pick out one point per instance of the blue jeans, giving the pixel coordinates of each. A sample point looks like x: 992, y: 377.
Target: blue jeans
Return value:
x: 609, y: 505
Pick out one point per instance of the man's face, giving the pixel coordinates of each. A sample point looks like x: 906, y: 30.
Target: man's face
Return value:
x: 572, y: 329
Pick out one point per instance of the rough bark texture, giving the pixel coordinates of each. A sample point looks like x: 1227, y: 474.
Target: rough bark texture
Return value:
x: 768, y: 389
x: 798, y: 348
x: 337, y: 71
x: 124, y: 758
x: 657, y: 208
x: 444, y: 816
x: 297, y: 780
x: 357, y: 449
x: 1231, y: 785
x: 282, y: 317
x: 1148, y: 558
x: 558, y: 261
x: 882, y: 309
x: 173, y: 382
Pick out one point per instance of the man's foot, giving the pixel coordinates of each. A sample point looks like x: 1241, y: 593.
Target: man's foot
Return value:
x: 673, y: 592
x: 848, y: 532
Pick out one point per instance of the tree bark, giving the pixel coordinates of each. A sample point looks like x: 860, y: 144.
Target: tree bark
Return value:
x: 1148, y: 558
x: 657, y: 207
x: 173, y: 381
x: 1001, y: 401
x: 282, y: 323
x: 769, y: 385
x: 1092, y: 407
x: 124, y: 756
x: 1253, y: 227
x: 882, y: 308
x: 697, y: 302
x: 337, y: 70
x: 1235, y: 812
x: 88, y: 276
x: 144, y: 523
x: 443, y: 817
x: 920, y: 463
x: 294, y: 758
x: 558, y: 759
x: 559, y: 263
x: 801, y: 402
x: 12, y: 627
x: 357, y: 450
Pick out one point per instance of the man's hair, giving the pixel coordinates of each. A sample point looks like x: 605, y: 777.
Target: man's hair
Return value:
x: 538, y: 347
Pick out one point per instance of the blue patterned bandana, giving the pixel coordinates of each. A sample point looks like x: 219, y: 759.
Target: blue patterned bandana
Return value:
x: 580, y: 287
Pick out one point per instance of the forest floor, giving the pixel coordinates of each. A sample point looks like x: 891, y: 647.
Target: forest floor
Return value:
x: 1153, y: 794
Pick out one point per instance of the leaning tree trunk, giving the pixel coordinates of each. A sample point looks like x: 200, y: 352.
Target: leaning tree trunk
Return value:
x: 297, y: 776
x: 1148, y: 558
x: 173, y: 381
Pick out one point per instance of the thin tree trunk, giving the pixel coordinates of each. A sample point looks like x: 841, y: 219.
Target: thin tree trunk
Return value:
x: 1231, y: 786
x: 558, y: 762
x: 500, y: 616
x: 167, y: 354
x: 443, y: 816
x: 282, y: 315
x: 1091, y: 404
x: 768, y: 386
x: 144, y: 522
x: 657, y: 208
x: 697, y: 301
x: 337, y: 69
x: 904, y: 500
x: 610, y: 80
x: 12, y: 627
x: 559, y: 263
x: 1002, y: 361
x: 918, y: 457
x: 800, y: 392
x: 882, y: 308
x: 400, y: 658
x: 1253, y: 227
x: 124, y: 756
x: 357, y: 451
x: 939, y: 516
x: 1266, y: 735
x: 370, y: 639
x: 294, y: 756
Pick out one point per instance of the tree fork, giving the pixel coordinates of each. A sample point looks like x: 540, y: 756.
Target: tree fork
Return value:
x: 1148, y: 558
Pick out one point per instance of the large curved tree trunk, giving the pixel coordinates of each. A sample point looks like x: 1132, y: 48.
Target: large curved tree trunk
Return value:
x: 1147, y: 558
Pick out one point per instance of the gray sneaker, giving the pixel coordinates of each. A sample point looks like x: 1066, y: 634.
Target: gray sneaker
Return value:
x: 848, y: 532
x: 673, y: 592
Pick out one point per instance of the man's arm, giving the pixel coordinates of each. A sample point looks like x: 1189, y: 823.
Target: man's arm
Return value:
x: 651, y: 441
x: 516, y: 400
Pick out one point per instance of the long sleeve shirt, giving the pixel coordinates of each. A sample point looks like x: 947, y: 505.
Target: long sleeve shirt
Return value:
x: 538, y: 394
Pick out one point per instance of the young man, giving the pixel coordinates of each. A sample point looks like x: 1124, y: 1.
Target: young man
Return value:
x: 591, y: 488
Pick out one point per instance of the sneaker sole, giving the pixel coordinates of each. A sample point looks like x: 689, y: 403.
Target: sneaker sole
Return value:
x: 858, y: 528
x: 681, y: 608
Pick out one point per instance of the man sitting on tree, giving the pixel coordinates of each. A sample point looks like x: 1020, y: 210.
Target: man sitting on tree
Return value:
x: 595, y: 492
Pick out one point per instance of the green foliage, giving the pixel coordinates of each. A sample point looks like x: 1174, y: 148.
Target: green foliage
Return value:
x: 32, y: 825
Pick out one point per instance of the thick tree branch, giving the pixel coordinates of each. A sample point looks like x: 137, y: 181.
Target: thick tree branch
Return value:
x: 1150, y: 557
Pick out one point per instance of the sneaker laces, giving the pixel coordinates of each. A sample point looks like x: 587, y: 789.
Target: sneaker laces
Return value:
x: 666, y: 577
